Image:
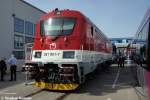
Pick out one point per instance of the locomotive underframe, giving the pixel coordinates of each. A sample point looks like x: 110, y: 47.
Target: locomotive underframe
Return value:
x: 54, y: 76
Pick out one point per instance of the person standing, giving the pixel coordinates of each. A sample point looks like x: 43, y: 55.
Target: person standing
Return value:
x: 119, y: 59
x: 2, y: 68
x: 114, y: 49
x: 12, y: 61
x: 123, y: 61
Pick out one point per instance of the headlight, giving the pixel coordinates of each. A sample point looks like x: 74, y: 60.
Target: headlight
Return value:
x: 37, y: 54
x: 68, y: 54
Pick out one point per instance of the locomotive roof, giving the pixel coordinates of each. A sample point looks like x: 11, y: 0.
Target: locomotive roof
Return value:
x: 71, y: 13
x: 65, y: 12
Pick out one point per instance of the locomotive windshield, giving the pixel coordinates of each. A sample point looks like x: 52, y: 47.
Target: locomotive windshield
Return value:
x: 57, y: 26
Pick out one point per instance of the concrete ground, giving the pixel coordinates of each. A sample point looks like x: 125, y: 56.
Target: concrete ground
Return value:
x: 117, y: 84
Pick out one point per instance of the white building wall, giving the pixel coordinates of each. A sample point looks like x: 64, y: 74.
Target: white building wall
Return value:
x: 10, y: 9
x: 26, y: 12
x: 6, y: 27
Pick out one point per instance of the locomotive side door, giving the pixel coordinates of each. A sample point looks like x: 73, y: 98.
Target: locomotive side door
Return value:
x: 93, y: 45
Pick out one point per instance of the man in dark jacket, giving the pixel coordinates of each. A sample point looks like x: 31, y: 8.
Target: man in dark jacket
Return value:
x: 119, y: 61
x: 2, y: 68
x: 123, y: 61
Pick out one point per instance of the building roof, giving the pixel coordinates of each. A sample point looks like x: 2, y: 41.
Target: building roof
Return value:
x: 32, y: 6
x: 121, y: 38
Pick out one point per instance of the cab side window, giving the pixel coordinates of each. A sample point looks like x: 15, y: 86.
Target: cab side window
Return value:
x: 92, y: 31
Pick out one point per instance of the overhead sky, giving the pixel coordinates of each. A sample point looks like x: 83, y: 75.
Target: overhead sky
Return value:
x: 116, y: 18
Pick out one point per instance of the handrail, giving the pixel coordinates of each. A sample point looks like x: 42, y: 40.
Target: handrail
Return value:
x: 28, y: 51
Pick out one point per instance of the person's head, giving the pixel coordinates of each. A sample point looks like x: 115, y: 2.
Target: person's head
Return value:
x: 12, y: 55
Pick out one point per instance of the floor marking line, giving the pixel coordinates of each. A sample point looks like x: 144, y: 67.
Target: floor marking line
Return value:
x: 6, y: 92
x: 116, y: 79
x: 109, y: 99
x: 10, y: 93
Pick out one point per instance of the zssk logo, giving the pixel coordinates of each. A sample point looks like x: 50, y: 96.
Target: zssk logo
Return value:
x: 52, y: 46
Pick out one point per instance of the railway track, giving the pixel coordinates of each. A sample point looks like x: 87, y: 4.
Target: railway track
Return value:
x: 34, y: 93
x: 61, y: 97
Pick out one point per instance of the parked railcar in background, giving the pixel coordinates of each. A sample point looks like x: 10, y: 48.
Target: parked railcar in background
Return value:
x: 141, y: 56
x: 67, y: 47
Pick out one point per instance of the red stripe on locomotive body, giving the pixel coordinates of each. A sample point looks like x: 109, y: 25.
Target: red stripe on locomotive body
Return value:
x: 79, y: 39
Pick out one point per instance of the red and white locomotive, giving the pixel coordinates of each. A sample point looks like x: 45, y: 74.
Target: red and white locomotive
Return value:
x: 67, y: 47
